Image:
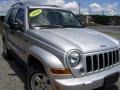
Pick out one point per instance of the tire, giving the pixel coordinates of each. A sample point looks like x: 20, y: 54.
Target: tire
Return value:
x: 37, y: 79
x: 6, y: 52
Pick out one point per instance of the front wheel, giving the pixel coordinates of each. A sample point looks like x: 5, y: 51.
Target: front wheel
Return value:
x: 38, y: 80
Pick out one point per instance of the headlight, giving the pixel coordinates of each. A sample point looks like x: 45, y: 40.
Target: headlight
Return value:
x: 73, y: 58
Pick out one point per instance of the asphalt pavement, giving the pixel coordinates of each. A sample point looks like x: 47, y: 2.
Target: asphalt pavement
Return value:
x: 13, y: 75
x: 113, y: 31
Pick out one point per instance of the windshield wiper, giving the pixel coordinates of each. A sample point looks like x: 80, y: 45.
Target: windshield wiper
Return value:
x: 72, y: 26
x: 50, y: 26
x: 59, y: 26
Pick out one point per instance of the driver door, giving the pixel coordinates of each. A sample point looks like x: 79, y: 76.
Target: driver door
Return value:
x: 17, y: 37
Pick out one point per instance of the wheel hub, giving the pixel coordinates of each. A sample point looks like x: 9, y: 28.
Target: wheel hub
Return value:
x: 40, y: 82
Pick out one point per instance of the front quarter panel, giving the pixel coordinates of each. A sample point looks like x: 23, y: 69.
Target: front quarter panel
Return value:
x: 46, y: 58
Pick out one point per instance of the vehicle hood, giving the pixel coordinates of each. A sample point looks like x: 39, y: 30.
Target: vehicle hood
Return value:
x: 83, y: 39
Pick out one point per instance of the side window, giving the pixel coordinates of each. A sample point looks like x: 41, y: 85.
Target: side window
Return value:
x: 20, y: 15
x: 11, y: 16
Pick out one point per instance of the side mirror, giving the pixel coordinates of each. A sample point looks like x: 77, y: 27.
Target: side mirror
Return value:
x: 17, y: 25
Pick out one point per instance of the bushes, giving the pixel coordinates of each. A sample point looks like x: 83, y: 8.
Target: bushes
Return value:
x: 100, y: 19
x: 106, y: 20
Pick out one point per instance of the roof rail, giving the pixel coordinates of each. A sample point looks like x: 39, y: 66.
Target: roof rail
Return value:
x: 50, y: 5
x: 17, y: 4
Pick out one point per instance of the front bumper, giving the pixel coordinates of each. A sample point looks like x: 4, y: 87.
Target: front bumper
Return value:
x: 86, y: 83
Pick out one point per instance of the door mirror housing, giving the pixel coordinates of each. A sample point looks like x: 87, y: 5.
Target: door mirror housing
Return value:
x: 17, y: 25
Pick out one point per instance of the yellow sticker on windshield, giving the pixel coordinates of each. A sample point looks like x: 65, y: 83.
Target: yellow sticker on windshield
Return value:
x: 35, y: 13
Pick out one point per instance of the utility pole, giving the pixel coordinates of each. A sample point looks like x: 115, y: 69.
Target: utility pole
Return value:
x: 103, y: 13
x: 79, y: 7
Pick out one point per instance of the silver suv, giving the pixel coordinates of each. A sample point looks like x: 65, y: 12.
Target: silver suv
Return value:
x: 59, y: 53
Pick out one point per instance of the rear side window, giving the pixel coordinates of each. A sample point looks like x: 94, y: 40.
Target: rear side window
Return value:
x: 11, y: 16
x: 20, y: 15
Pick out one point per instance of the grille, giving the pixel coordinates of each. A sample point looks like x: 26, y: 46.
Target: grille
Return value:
x: 102, y: 60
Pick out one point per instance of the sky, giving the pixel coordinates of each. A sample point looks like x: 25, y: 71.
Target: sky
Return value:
x: 106, y: 7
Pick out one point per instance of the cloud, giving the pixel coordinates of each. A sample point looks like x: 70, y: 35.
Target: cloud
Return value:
x: 84, y: 11
x: 106, y: 8
x: 5, y: 5
x: 95, y: 7
x: 111, y: 9
x: 73, y: 6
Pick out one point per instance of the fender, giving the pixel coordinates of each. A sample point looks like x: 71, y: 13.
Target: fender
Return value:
x: 46, y: 58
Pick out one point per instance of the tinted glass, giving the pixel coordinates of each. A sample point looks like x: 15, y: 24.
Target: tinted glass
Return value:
x: 20, y: 15
x: 11, y: 16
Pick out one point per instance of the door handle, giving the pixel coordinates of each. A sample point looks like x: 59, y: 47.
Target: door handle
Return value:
x: 26, y: 40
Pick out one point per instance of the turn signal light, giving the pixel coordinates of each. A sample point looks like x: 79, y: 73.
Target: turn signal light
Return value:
x: 60, y: 71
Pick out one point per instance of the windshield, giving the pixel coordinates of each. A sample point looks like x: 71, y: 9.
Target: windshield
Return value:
x: 52, y: 18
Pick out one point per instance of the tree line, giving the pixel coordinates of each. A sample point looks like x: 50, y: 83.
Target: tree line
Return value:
x: 106, y: 20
